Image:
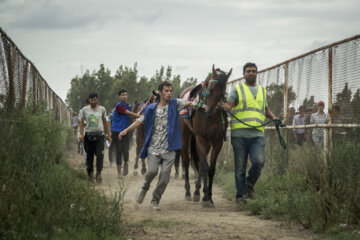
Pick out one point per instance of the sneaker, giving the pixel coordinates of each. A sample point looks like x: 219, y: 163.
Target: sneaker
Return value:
x: 250, y: 190
x: 141, y: 195
x: 155, y: 206
x: 241, y: 201
x: 126, y: 169
x: 98, y: 178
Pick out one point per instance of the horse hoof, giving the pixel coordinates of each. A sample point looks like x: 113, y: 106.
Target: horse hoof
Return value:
x: 196, y: 198
x: 135, y: 173
x: 188, y: 198
x: 207, y: 204
x: 143, y: 171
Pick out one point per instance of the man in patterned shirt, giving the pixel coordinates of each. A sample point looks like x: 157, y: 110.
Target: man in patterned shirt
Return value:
x: 162, y: 139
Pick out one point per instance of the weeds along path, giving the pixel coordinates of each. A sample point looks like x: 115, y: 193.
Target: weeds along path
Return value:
x: 180, y: 220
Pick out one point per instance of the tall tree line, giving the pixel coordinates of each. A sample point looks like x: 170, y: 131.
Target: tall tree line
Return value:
x: 107, y: 86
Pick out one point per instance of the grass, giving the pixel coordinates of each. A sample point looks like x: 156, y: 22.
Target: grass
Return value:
x: 299, y: 186
x: 41, y: 196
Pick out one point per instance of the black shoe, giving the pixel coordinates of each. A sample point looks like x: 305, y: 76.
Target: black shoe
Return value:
x: 91, y: 178
x: 98, y: 178
x: 241, y: 200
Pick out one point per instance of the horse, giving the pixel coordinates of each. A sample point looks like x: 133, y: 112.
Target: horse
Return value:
x: 140, y: 134
x: 208, y: 131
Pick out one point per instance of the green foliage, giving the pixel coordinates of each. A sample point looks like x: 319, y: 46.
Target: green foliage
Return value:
x: 275, y: 94
x: 108, y: 86
x: 41, y: 199
x: 317, y: 192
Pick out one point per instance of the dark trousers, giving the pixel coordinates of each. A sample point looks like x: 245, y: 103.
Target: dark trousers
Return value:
x: 122, y: 147
x: 112, y: 152
x: 94, y: 148
x: 300, y: 139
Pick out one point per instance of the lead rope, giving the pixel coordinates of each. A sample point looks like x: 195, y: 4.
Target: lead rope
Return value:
x: 278, y: 124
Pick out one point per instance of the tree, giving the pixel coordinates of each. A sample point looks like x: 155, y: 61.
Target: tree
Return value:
x: 275, y: 97
x: 309, y: 103
x: 343, y: 100
x: 355, y: 106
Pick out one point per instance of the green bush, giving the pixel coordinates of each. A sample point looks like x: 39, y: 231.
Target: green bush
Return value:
x: 300, y: 185
x: 41, y: 196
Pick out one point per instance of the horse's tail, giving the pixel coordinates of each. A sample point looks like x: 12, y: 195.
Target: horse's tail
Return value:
x: 194, y: 153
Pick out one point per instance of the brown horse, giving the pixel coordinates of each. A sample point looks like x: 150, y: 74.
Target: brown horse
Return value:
x: 209, y: 123
x: 140, y: 135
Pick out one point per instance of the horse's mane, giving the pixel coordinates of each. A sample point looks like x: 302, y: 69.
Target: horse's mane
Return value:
x: 186, y: 90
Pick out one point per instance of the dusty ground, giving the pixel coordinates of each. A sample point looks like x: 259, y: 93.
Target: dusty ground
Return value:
x: 179, y: 219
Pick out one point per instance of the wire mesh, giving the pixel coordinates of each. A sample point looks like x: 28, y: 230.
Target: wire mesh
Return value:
x: 21, y: 83
x: 330, y: 75
x: 346, y: 81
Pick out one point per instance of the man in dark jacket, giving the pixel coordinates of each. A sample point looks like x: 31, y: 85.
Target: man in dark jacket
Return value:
x: 162, y: 139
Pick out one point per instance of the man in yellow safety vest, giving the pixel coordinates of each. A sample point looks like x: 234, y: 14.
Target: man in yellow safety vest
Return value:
x: 247, y: 101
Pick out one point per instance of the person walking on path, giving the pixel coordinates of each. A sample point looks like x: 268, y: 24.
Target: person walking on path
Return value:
x: 248, y: 102
x: 93, y: 139
x: 121, y: 120
x: 162, y: 139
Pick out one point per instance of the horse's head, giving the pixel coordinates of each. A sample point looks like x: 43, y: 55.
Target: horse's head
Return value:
x: 215, y: 85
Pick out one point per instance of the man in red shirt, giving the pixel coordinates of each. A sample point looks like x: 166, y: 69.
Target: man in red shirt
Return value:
x: 121, y: 120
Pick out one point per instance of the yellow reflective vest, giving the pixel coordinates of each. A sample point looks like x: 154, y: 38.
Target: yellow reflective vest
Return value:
x: 249, y: 110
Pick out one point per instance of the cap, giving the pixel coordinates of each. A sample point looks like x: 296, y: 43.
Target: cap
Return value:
x: 321, y: 103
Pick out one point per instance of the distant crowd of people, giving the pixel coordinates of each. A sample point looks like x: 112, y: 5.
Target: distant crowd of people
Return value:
x: 313, y: 115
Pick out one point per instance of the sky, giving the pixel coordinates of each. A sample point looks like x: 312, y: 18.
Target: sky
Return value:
x: 63, y: 38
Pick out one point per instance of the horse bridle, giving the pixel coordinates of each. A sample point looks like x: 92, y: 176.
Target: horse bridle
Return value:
x: 204, y: 94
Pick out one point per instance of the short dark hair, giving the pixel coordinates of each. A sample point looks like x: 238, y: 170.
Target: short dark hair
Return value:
x: 122, y: 91
x: 93, y: 95
x: 164, y: 84
x: 249, y: 64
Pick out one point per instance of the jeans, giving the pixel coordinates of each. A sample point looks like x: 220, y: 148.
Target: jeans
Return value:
x: 242, y: 148
x: 165, y: 161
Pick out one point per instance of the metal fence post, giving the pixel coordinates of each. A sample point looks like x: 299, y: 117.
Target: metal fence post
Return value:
x: 285, y: 109
x: 11, y: 94
x: 328, y: 131
x: 25, y: 81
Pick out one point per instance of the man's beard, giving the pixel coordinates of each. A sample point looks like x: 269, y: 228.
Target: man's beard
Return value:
x: 251, y: 80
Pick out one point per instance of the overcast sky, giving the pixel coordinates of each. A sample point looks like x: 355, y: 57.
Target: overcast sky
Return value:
x: 64, y: 37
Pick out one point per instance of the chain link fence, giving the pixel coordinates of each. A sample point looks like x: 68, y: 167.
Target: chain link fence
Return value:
x: 331, y: 75
x: 21, y: 83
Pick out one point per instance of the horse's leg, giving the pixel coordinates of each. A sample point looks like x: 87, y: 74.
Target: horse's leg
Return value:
x: 186, y: 136
x: 196, y: 197
x: 195, y: 165
x: 214, y: 154
x: 177, y: 163
x: 203, y: 147
x: 136, y: 165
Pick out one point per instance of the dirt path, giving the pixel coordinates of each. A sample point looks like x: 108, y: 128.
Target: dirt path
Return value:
x: 182, y: 220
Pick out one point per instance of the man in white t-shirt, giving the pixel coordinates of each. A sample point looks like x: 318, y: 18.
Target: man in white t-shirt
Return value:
x: 95, y: 117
